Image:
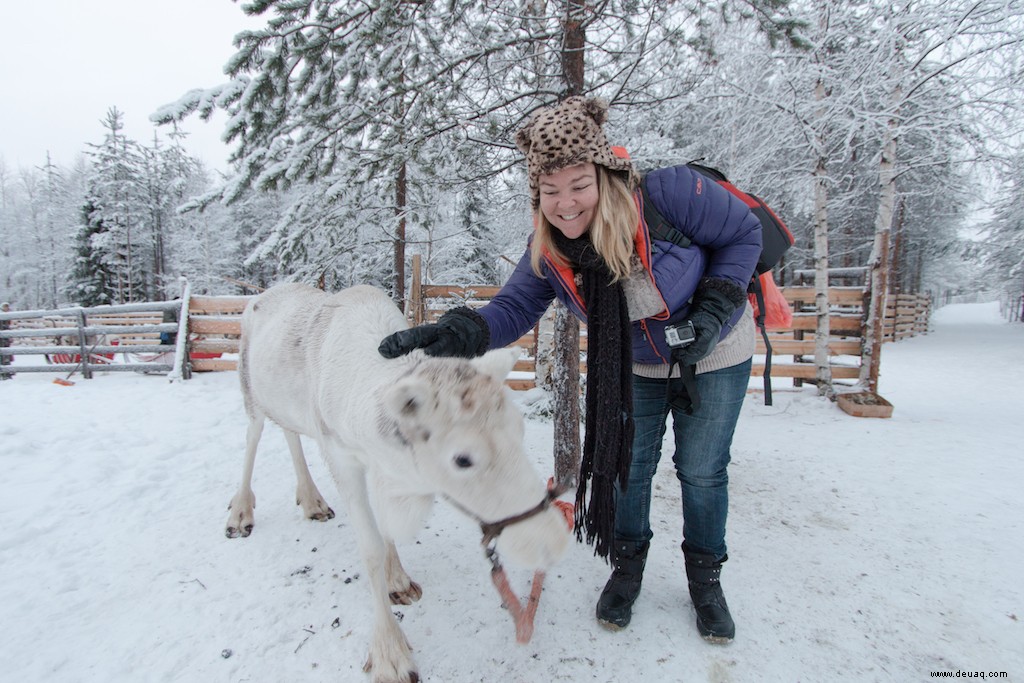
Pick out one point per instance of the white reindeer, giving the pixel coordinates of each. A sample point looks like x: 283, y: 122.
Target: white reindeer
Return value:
x: 394, y: 433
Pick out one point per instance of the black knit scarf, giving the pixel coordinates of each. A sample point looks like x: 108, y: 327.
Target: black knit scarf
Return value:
x: 608, y: 440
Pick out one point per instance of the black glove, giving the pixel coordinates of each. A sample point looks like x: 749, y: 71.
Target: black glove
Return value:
x: 459, y: 332
x: 714, y: 302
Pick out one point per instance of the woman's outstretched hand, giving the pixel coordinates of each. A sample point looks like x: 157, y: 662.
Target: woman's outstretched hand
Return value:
x: 460, y: 332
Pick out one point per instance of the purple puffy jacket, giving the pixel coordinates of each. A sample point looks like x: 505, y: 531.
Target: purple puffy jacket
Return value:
x: 726, y: 243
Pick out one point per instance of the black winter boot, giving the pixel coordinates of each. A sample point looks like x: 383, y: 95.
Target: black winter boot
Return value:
x: 615, y: 606
x: 714, y: 622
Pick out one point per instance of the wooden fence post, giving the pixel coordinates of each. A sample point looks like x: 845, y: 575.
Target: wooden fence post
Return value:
x: 416, y: 291
x: 86, y: 370
x: 182, y: 364
x: 5, y: 342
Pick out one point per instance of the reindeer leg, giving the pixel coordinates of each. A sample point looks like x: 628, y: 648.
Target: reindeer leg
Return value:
x: 241, y: 518
x: 401, y: 589
x: 306, y: 493
x: 398, y: 517
x: 390, y: 657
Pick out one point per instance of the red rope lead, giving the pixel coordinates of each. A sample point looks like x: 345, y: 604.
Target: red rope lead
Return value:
x: 523, y: 616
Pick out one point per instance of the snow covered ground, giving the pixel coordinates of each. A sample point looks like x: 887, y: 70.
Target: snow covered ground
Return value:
x: 861, y: 549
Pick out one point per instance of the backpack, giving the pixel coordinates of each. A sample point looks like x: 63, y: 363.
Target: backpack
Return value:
x: 775, y: 240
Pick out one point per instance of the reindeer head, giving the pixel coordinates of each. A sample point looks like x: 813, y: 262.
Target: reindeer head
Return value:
x: 466, y: 440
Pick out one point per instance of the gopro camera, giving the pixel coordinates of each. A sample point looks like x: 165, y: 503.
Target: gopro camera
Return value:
x: 678, y: 336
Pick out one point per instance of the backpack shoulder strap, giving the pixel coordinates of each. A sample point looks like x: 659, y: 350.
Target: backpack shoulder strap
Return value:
x: 657, y: 225
x: 708, y: 171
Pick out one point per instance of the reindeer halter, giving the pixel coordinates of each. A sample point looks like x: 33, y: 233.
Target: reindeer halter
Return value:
x: 522, y: 615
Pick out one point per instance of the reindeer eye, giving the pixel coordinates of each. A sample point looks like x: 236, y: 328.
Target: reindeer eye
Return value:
x: 463, y: 461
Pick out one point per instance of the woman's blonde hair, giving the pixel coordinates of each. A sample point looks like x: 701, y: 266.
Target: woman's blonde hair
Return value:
x: 611, y: 232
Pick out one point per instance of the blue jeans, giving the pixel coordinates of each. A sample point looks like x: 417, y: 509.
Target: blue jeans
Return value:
x: 701, y: 457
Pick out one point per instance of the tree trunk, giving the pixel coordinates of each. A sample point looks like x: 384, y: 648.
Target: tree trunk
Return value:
x: 823, y: 327
x: 566, y: 370
x: 566, y: 382
x: 159, y: 257
x: 900, y: 279
x: 878, y: 264
x: 400, y: 211
x: 573, y: 44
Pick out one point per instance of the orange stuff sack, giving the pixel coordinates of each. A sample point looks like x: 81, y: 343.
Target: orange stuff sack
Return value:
x: 778, y: 312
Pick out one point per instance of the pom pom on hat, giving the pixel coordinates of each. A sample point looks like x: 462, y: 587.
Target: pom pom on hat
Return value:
x: 568, y: 134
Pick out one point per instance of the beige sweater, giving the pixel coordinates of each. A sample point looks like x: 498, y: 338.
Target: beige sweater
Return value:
x: 644, y: 301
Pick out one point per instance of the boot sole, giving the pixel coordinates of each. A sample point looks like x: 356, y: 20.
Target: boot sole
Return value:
x: 712, y: 637
x: 609, y: 626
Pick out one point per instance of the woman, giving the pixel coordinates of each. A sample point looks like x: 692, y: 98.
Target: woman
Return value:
x: 592, y: 250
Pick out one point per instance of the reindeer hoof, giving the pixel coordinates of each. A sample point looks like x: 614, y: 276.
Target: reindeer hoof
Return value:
x: 235, y: 532
x: 323, y: 516
x: 413, y: 676
x: 407, y: 596
x: 315, y: 509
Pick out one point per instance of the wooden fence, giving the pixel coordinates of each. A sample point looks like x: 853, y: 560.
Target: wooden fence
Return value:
x: 126, y: 337
x: 213, y: 327
x: 793, y: 348
x: 139, y: 337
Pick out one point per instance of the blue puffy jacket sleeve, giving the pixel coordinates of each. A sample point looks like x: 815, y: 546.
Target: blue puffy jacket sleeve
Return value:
x: 518, y: 305
x: 712, y: 218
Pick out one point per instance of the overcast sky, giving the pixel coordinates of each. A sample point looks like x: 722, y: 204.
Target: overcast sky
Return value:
x: 64, y: 63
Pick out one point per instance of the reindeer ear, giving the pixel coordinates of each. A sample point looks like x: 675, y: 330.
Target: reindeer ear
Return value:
x: 408, y: 399
x: 497, y: 363
x: 408, y: 409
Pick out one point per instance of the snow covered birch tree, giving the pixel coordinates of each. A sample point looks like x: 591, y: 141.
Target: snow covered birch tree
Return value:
x: 6, y: 235
x: 354, y: 101
x: 824, y: 110
x: 56, y: 228
x: 1003, y: 245
x: 793, y: 113
x: 925, y: 46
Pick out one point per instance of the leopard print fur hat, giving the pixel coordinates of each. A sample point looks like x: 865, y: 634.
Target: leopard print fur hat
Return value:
x: 567, y: 134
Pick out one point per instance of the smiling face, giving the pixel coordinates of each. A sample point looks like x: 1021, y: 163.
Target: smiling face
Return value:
x: 568, y: 198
